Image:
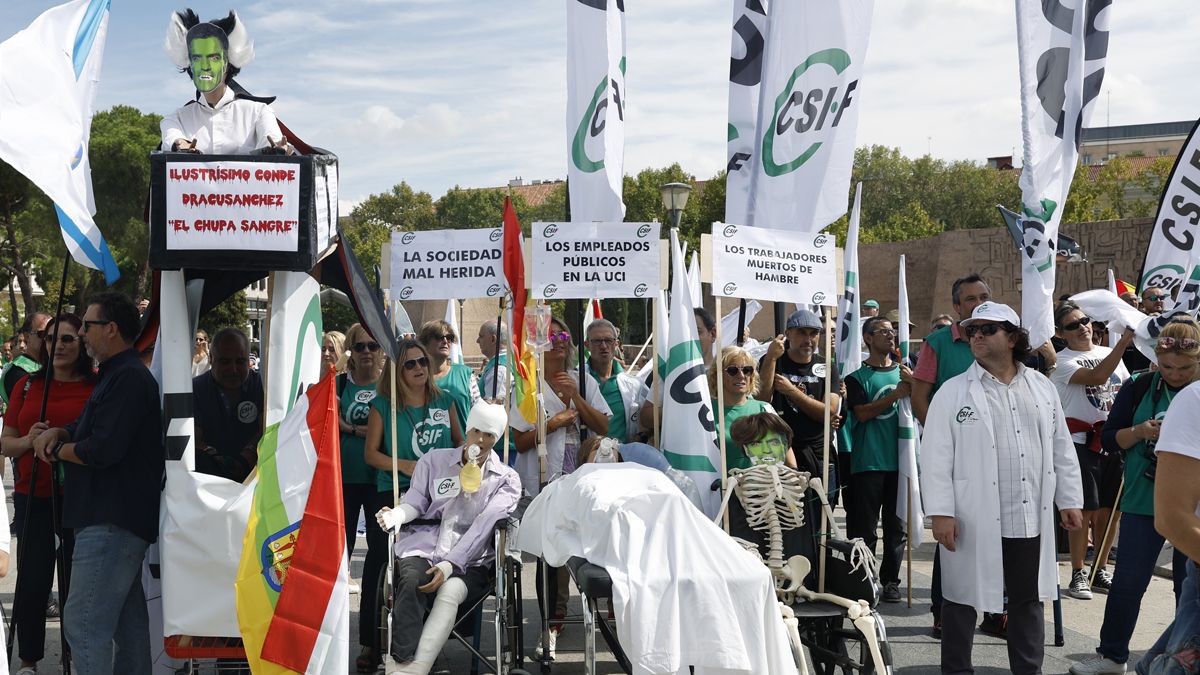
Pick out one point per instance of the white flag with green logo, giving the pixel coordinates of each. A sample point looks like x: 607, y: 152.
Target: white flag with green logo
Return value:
x: 688, y: 437
x: 745, y: 73
x: 849, y: 335
x: 596, y: 109
x: 1061, y: 51
x: 808, y: 113
x: 909, y: 489
x: 293, y: 358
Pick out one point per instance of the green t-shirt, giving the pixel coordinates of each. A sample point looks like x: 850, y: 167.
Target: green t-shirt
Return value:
x: 612, y: 395
x: 1138, y: 496
x: 954, y: 357
x: 458, y: 384
x: 877, y: 440
x: 418, y: 430
x: 735, y: 456
x: 354, y: 405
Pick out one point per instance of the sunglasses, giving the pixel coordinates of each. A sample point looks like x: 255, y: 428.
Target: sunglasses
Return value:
x: 560, y: 337
x: 1155, y: 297
x: 1074, y: 325
x: 413, y: 364
x: 366, y: 347
x: 65, y: 339
x: 886, y: 332
x: 987, y: 329
x: 448, y: 337
x: 1177, y: 343
x: 733, y: 371
x: 201, y: 341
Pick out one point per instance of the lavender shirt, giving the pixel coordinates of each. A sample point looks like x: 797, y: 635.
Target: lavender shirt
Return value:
x: 434, y: 491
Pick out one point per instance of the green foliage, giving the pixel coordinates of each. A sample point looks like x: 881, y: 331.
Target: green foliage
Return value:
x: 461, y: 209
x: 231, y: 313
x: 336, y: 316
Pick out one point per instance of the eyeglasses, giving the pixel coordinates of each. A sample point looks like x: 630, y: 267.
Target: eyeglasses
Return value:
x: 603, y: 342
x: 40, y: 334
x: 366, y: 347
x: 560, y: 337
x: 88, y: 323
x: 886, y: 332
x: 65, y: 339
x: 448, y: 337
x: 1074, y: 325
x: 987, y: 329
x: 1174, y: 343
x: 733, y: 371
x: 201, y: 341
x: 1155, y: 297
x: 413, y: 364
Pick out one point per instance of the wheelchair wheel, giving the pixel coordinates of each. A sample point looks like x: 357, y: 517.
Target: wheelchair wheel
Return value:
x: 383, y: 604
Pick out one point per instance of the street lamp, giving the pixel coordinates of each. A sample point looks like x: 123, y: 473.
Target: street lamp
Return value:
x: 674, y: 198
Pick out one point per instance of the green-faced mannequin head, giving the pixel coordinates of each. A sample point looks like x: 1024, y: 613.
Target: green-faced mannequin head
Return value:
x: 765, y: 437
x: 770, y: 449
x: 208, y: 62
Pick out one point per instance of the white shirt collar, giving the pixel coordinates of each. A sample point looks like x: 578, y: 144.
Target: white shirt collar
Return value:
x: 226, y: 99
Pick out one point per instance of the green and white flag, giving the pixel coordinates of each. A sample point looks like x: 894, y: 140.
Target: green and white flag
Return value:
x: 596, y: 109
x: 808, y: 113
x: 849, y: 335
x: 745, y: 74
x: 456, y: 355
x: 909, y: 489
x: 689, y: 439
x: 294, y: 341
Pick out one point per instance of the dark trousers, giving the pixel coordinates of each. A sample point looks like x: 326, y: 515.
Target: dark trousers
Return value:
x: 410, y: 606
x: 355, y: 498
x: 377, y: 557
x: 35, y: 565
x: 1026, y: 616
x: 872, y: 492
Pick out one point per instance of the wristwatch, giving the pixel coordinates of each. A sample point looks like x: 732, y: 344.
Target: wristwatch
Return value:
x: 54, y: 451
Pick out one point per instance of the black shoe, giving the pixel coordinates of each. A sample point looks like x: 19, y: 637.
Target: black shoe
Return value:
x: 937, y: 626
x: 995, y: 625
x: 52, y: 609
x: 891, y: 591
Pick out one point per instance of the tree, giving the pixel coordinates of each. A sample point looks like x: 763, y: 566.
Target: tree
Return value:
x: 461, y: 209
x: 372, y: 222
x: 230, y: 313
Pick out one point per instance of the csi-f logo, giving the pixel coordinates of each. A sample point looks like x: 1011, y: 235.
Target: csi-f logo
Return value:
x: 550, y: 231
x: 640, y: 290
x: 729, y: 230
x: 496, y: 234
x: 821, y: 240
x: 730, y: 288
x: 966, y: 414
x: 549, y: 291
x: 1053, y: 65
x: 494, y: 290
x: 1163, y: 276
x: 806, y: 108
x: 445, y: 486
x: 818, y: 298
x: 595, y: 118
x: 643, y: 231
x: 408, y: 238
x: 406, y: 292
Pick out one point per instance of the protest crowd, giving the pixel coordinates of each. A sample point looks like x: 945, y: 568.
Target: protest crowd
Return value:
x: 720, y: 500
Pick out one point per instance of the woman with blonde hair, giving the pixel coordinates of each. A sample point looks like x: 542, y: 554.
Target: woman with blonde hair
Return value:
x: 735, y: 372
x: 1132, y: 428
x: 333, y: 350
x: 200, y: 364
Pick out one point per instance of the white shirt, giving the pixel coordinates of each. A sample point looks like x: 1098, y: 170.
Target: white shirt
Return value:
x: 1180, y: 431
x: 236, y: 126
x: 1018, y: 453
x: 556, y: 441
x: 1086, y: 402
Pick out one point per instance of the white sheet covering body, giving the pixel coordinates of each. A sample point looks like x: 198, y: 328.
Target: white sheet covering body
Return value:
x: 684, y: 592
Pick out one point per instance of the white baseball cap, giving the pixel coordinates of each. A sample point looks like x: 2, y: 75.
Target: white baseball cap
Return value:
x: 992, y: 311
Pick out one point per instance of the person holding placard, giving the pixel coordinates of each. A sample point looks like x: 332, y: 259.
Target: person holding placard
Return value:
x: 425, y: 419
x: 455, y: 379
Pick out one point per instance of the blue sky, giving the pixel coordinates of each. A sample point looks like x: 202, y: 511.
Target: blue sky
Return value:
x: 472, y: 92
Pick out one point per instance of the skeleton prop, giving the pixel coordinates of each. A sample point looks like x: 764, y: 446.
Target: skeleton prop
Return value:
x: 772, y: 495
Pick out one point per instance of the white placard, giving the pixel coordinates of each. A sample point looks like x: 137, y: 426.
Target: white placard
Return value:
x: 777, y: 265
x: 595, y: 260
x: 446, y: 264
x: 244, y: 206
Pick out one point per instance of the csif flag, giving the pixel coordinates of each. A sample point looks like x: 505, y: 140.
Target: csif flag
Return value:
x: 293, y: 597
x: 456, y: 355
x: 745, y: 74
x: 1061, y: 52
x: 522, y: 364
x: 849, y: 335
x: 596, y: 109
x: 808, y: 113
x: 688, y: 436
x: 909, y: 489
x: 1175, y: 229
x: 48, y: 76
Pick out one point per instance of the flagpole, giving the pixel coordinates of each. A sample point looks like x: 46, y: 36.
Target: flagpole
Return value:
x: 395, y: 450
x: 499, y: 334
x: 825, y: 459
x: 717, y: 363
x: 741, y: 321
x: 908, y: 542
x: 1112, y: 515
x: 658, y: 392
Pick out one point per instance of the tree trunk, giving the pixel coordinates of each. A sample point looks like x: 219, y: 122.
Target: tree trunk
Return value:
x: 17, y: 263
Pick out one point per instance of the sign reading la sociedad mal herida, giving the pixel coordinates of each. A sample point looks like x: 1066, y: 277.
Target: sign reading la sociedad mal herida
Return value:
x: 444, y: 264
x: 782, y: 266
x: 246, y: 206
x: 595, y: 260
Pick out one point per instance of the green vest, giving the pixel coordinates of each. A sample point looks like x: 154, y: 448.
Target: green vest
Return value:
x: 354, y: 405
x: 612, y: 395
x: 953, y: 356
x: 418, y: 430
x: 1138, y: 496
x: 24, y: 363
x: 876, y: 441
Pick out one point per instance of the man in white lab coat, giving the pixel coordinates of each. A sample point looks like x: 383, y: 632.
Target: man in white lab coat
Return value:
x: 996, y: 457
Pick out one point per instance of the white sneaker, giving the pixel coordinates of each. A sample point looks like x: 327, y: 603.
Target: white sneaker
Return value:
x: 1097, y: 666
x: 537, y: 652
x: 355, y: 589
x: 1079, y: 587
x: 27, y: 670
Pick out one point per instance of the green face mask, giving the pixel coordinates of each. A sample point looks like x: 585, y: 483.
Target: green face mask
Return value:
x: 770, y: 449
x: 208, y: 63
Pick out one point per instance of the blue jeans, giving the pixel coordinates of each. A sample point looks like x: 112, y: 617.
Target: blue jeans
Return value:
x: 1178, y: 650
x: 1140, y: 546
x: 105, y: 618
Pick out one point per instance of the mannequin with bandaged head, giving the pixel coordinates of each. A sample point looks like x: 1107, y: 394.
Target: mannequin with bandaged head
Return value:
x: 223, y: 118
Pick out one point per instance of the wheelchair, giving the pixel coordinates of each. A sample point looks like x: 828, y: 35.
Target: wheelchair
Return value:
x: 505, y: 591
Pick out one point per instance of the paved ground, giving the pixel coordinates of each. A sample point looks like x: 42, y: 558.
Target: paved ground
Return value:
x: 915, y: 651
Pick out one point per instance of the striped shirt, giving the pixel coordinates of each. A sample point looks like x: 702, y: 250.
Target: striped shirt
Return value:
x: 1014, y: 413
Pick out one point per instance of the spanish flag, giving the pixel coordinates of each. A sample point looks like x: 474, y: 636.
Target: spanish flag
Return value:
x: 524, y: 368
x: 293, y: 602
